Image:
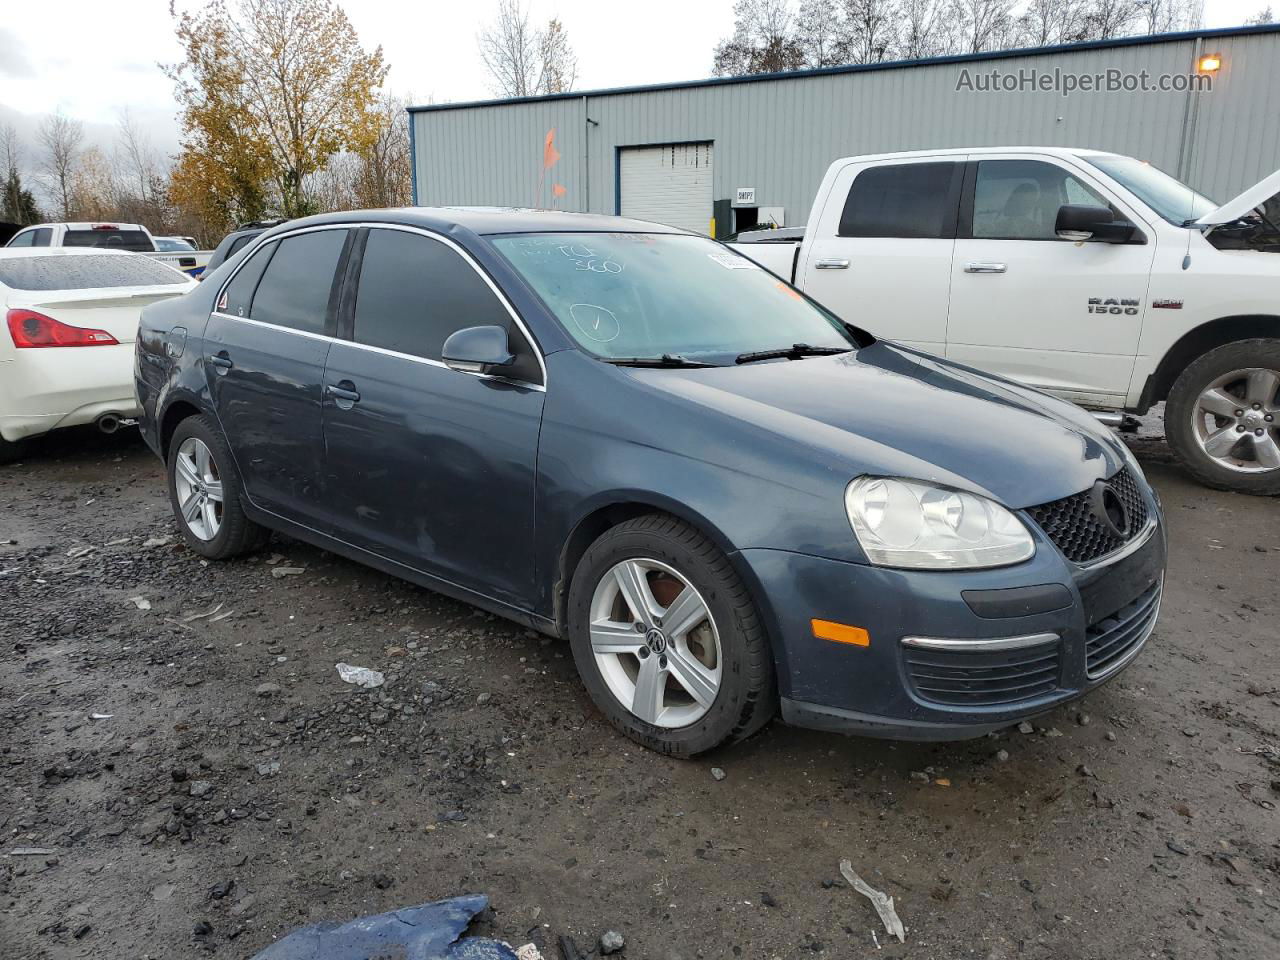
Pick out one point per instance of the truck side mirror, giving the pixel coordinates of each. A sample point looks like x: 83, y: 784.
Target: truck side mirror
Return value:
x: 1084, y: 221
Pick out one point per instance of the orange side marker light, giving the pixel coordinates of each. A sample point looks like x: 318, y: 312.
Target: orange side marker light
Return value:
x: 840, y: 633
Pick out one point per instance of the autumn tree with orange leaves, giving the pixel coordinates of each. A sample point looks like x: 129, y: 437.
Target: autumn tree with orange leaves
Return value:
x: 270, y: 90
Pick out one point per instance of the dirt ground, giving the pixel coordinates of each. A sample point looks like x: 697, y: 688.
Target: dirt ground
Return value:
x: 205, y: 782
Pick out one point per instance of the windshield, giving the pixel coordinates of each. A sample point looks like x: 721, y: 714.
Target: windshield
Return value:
x: 1170, y: 198
x: 623, y: 295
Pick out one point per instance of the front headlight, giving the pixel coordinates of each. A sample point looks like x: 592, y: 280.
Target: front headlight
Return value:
x: 904, y: 523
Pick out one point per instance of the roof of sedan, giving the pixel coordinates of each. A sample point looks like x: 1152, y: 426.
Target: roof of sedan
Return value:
x: 492, y: 220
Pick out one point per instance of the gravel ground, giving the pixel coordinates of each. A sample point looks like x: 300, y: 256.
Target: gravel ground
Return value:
x: 175, y: 736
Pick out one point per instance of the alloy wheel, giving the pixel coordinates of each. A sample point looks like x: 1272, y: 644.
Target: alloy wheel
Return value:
x: 1237, y: 420
x: 199, y: 488
x: 655, y: 643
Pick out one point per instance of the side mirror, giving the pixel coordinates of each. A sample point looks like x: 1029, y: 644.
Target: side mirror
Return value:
x: 476, y: 349
x: 1083, y: 221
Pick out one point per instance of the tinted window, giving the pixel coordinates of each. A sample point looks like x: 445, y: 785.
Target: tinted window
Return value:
x: 294, y: 291
x: 415, y: 291
x: 22, y: 239
x: 42, y: 237
x: 172, y: 245
x: 238, y: 296
x: 904, y: 200
x: 58, y: 272
x: 1019, y: 199
x: 239, y: 242
x: 134, y: 240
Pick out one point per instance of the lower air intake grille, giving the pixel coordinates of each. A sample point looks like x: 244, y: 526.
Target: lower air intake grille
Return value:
x: 969, y: 678
x: 1113, y: 641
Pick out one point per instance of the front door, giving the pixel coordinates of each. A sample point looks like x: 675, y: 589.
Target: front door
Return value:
x: 880, y: 255
x: 265, y: 349
x: 1061, y: 315
x: 427, y: 466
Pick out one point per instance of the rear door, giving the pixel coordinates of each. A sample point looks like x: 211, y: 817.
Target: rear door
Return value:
x: 1056, y: 314
x: 880, y: 254
x: 428, y: 466
x: 265, y: 348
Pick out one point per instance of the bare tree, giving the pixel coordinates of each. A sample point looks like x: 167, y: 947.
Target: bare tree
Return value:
x: 924, y: 29
x: 524, y: 61
x: 1262, y: 16
x: 762, y: 40
x: 1047, y: 22
x: 1166, y: 16
x: 62, y: 139
x: 983, y: 24
x: 872, y: 26
x: 1111, y: 18
x: 820, y: 33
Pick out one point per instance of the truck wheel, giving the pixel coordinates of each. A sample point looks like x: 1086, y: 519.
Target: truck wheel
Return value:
x: 9, y: 452
x: 667, y: 639
x: 1223, y: 417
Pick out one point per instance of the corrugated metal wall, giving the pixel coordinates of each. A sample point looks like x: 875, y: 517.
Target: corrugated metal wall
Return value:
x: 779, y: 135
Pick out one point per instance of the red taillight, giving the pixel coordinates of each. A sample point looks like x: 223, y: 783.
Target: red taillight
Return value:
x: 31, y: 329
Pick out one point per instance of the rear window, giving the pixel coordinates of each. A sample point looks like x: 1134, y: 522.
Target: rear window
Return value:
x: 172, y: 245
x: 84, y: 273
x: 133, y: 240
x: 916, y: 200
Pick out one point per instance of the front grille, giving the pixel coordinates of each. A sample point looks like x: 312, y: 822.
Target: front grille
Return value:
x: 976, y: 678
x: 1114, y: 640
x: 1074, y: 529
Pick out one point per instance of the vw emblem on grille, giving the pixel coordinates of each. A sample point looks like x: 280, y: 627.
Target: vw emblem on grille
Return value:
x: 655, y: 640
x: 1110, y: 510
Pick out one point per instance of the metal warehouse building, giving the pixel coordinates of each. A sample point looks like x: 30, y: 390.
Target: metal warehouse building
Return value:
x: 719, y: 155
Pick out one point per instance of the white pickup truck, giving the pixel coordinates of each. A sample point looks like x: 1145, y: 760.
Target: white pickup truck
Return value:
x: 131, y: 237
x: 1092, y: 276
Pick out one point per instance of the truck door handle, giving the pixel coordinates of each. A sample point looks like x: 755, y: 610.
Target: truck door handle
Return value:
x: 344, y: 394
x: 984, y: 266
x: 221, y: 361
x: 832, y: 264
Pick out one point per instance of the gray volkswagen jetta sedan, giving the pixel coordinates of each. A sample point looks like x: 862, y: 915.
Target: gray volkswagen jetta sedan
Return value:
x: 729, y: 501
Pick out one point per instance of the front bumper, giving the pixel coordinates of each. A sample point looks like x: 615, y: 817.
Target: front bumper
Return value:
x: 1077, y: 627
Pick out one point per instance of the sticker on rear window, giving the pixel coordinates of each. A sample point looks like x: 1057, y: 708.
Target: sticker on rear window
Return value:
x: 731, y: 261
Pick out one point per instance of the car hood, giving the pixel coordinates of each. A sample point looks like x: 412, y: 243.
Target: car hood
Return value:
x: 891, y: 411
x: 1262, y: 192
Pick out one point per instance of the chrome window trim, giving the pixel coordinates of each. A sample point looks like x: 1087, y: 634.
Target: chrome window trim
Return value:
x: 404, y: 228
x: 981, y: 645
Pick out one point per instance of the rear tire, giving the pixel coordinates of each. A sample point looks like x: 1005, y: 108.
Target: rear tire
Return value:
x: 9, y: 452
x: 710, y: 656
x: 205, y: 492
x: 1216, y: 417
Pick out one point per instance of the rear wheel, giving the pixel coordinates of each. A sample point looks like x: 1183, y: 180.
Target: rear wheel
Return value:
x: 205, y: 491
x: 667, y: 638
x: 1223, y: 417
x: 9, y: 452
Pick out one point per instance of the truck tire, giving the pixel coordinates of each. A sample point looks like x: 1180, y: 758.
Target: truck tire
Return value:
x: 1222, y: 418
x: 9, y: 452
x: 656, y: 607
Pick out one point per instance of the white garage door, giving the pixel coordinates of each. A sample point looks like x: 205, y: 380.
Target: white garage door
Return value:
x: 670, y: 184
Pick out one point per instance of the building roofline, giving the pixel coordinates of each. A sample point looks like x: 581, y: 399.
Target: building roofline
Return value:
x: 862, y: 67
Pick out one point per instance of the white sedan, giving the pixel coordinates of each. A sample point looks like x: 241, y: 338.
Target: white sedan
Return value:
x: 66, y: 351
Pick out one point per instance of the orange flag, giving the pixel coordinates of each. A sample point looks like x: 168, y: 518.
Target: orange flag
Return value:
x: 558, y: 190
x: 550, y: 155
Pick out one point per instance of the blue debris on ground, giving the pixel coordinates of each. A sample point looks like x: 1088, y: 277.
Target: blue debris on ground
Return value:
x: 429, y: 931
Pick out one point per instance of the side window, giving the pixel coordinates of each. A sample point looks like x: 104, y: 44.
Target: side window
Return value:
x: 237, y: 243
x: 24, y: 239
x: 1019, y: 199
x: 917, y: 200
x: 238, y: 296
x: 415, y: 291
x: 295, y: 287
x: 42, y: 237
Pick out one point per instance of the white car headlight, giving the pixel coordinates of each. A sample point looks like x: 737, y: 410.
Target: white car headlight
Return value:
x: 904, y: 523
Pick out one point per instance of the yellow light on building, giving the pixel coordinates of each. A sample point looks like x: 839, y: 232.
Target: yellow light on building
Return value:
x: 1210, y: 63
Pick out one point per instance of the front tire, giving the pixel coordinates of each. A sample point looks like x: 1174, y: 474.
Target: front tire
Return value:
x: 205, y: 492
x: 1222, y: 418
x: 667, y: 638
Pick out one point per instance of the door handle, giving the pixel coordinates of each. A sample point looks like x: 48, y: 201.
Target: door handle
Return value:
x: 984, y: 266
x: 221, y: 361
x: 832, y: 263
x: 345, y: 393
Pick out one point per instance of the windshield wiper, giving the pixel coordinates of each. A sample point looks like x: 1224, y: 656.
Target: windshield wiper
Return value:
x: 666, y: 360
x: 793, y: 352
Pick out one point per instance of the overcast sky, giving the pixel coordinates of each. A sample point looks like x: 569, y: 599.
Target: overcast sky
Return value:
x: 92, y: 59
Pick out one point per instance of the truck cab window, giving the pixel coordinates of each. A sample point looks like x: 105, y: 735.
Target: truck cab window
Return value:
x: 1019, y: 199
x: 913, y: 200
